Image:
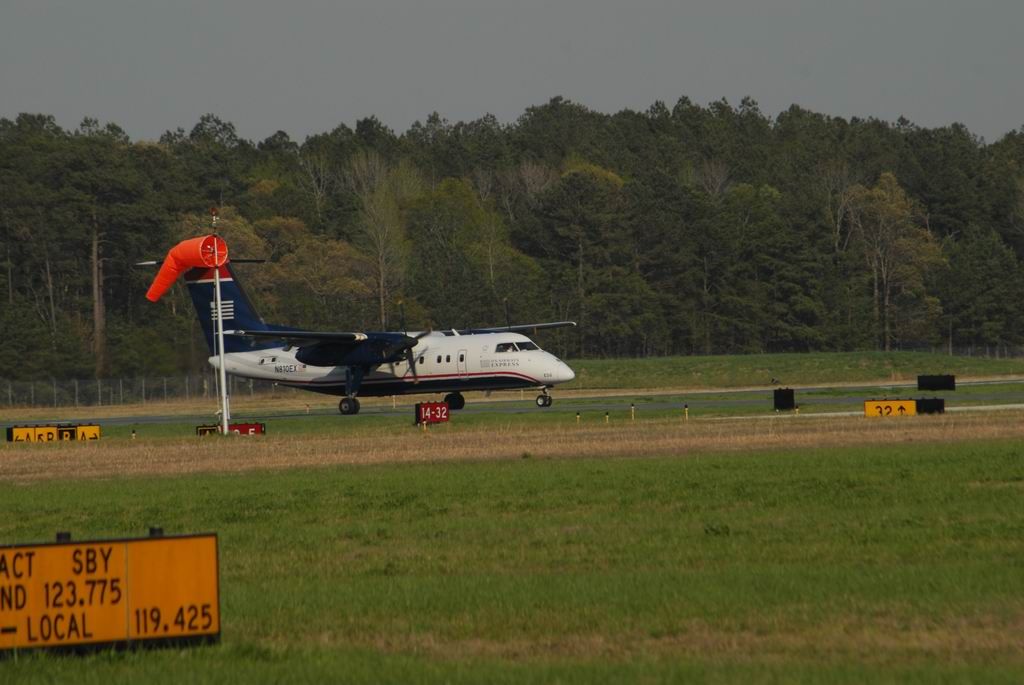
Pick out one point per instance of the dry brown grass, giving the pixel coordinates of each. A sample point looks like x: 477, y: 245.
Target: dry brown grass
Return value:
x: 866, y: 639
x: 20, y: 463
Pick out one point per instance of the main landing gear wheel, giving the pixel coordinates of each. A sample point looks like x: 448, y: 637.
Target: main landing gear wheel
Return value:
x: 544, y: 400
x: 455, y: 400
x: 348, y: 406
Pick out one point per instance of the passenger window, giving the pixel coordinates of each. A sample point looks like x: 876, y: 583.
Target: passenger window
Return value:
x: 421, y: 360
x: 462, y: 357
x: 438, y: 359
x: 447, y: 358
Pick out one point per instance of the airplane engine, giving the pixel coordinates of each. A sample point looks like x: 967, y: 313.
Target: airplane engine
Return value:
x: 323, y: 354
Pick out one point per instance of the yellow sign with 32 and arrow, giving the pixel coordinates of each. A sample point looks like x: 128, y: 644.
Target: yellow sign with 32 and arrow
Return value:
x: 883, y: 408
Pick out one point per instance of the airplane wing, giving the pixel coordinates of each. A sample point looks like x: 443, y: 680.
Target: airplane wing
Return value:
x: 304, y: 337
x: 337, y: 348
x: 519, y: 328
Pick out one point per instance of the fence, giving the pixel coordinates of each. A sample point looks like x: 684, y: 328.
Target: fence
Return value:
x: 114, y: 391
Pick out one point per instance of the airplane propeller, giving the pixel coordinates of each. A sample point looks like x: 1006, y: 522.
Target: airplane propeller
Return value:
x: 407, y: 344
x: 411, y: 358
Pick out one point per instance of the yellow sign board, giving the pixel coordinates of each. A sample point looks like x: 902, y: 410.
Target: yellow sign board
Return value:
x: 32, y: 434
x: 877, y: 408
x: 54, y: 433
x: 87, y: 432
x: 103, y: 592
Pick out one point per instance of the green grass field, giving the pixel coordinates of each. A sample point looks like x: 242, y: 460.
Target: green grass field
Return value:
x: 820, y: 565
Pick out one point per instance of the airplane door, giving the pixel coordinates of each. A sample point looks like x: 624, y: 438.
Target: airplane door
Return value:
x: 462, y: 362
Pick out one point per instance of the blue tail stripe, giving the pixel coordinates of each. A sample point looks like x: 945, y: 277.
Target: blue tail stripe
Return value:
x: 238, y: 310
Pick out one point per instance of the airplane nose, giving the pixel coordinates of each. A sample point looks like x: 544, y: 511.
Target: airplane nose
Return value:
x: 564, y: 373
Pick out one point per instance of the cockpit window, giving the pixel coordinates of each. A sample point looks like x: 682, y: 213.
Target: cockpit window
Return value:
x: 505, y: 347
x: 527, y: 346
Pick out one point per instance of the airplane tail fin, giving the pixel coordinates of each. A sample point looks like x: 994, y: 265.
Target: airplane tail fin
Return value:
x: 238, y: 310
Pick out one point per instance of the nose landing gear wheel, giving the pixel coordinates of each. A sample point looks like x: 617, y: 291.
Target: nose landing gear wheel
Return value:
x: 348, y: 406
x: 544, y: 400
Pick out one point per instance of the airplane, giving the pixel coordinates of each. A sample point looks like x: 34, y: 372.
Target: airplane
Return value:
x: 357, y: 364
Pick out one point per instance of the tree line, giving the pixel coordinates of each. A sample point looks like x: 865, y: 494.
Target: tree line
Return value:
x: 682, y: 230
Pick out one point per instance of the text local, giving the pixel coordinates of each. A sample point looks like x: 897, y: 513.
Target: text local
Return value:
x: 74, y: 626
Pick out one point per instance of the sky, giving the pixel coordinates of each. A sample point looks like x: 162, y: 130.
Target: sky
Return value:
x: 305, y: 67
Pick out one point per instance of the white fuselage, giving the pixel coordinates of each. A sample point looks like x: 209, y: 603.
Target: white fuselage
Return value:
x: 445, y: 362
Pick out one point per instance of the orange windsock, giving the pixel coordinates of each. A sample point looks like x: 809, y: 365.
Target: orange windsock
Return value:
x: 207, y: 250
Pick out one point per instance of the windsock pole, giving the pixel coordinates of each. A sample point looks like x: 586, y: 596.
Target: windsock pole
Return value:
x: 204, y: 252
x: 225, y: 411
